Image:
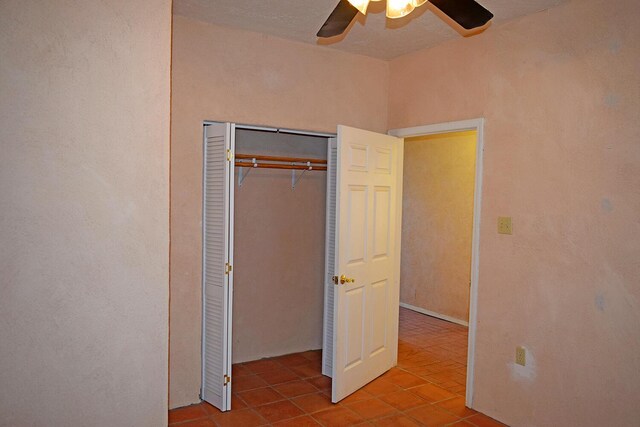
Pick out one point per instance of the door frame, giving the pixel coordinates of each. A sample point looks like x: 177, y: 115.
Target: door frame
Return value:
x: 461, y: 126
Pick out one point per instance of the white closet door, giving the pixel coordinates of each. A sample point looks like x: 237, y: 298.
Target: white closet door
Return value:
x: 366, y: 296
x: 217, y: 272
x: 330, y: 258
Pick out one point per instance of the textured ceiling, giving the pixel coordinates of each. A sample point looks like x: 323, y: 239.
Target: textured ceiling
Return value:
x: 371, y: 35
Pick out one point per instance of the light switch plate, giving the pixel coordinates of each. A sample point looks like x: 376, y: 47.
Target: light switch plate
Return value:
x: 504, y: 225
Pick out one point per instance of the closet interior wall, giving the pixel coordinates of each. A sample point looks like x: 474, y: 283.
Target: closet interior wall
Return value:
x: 278, y: 250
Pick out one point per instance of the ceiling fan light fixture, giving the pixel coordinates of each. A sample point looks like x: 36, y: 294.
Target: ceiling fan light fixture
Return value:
x: 468, y: 14
x: 399, y: 8
x: 361, y: 5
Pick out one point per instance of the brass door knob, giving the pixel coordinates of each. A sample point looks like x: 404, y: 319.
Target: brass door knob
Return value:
x: 343, y: 279
x: 348, y: 279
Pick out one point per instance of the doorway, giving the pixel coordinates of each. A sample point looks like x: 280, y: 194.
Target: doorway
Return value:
x: 437, y: 223
x: 464, y: 128
x: 279, y: 231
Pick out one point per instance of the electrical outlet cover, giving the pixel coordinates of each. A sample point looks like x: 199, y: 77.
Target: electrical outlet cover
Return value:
x: 504, y: 225
x: 521, y: 358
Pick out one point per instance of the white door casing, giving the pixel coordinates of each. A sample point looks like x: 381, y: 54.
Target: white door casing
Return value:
x: 217, y: 259
x: 367, y: 250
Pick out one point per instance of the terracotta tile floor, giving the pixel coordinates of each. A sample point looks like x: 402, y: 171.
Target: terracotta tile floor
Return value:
x: 425, y: 389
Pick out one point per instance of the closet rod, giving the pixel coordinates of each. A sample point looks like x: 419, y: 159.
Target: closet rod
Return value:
x: 278, y: 166
x: 281, y: 159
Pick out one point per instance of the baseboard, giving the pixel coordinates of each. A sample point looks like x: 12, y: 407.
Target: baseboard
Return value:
x: 434, y: 314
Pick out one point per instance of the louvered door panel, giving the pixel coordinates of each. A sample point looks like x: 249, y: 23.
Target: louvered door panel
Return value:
x: 330, y: 259
x: 217, y: 279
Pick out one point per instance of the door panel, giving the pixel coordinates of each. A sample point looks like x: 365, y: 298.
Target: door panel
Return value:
x: 354, y: 327
x: 357, y: 224
x: 367, y: 253
x: 217, y: 277
x: 381, y: 211
x: 379, y: 301
x: 330, y: 259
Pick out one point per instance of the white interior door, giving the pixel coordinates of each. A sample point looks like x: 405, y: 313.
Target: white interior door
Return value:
x: 217, y: 271
x: 367, y: 258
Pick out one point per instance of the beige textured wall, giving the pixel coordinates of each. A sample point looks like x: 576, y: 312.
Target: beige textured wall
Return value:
x: 84, y: 108
x: 223, y: 74
x: 437, y: 222
x: 560, y: 91
x: 279, y: 251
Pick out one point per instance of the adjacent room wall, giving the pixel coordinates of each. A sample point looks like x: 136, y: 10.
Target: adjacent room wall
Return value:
x: 230, y: 75
x: 437, y: 223
x: 560, y: 91
x: 278, y: 295
x: 84, y: 180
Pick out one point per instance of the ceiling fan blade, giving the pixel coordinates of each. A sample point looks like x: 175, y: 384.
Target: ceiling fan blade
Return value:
x: 467, y: 13
x: 339, y: 20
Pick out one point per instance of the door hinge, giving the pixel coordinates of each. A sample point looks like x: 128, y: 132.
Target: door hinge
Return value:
x: 228, y: 268
x: 229, y: 155
x: 226, y: 380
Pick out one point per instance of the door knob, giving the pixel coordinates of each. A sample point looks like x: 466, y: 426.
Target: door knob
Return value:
x: 343, y: 279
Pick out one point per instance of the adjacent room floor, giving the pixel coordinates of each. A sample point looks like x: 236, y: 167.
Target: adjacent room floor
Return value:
x: 425, y: 389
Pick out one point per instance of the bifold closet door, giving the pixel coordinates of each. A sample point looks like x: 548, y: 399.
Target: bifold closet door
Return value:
x: 217, y: 271
x: 365, y: 296
x: 330, y: 258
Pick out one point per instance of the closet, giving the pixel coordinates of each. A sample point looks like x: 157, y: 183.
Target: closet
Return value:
x: 300, y: 251
x: 279, y: 235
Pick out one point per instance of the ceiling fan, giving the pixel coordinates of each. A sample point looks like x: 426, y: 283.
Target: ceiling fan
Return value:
x: 469, y: 14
